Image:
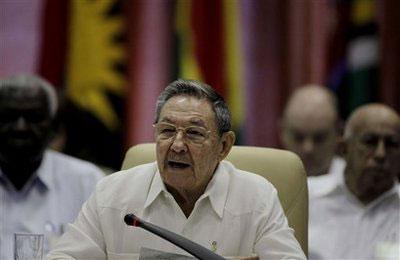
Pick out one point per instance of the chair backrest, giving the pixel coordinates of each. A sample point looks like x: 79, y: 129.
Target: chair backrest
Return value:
x: 282, y: 168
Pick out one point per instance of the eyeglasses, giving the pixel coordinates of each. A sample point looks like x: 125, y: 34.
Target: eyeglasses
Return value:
x: 195, y: 134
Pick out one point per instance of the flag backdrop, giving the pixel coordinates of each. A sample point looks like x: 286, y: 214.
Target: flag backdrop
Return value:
x: 95, y: 81
x: 209, y: 49
x: 284, y: 47
x: 112, y: 59
x: 355, y: 75
x: 150, y: 66
x: 389, y: 30
x: 52, y: 62
x: 20, y: 36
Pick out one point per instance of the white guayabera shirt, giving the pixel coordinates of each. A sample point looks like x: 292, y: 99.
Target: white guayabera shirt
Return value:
x: 50, y: 200
x: 341, y: 227
x: 239, y: 214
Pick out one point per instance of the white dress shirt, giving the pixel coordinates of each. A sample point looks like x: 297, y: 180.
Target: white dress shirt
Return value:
x: 239, y: 214
x: 318, y: 184
x: 50, y: 200
x: 341, y: 227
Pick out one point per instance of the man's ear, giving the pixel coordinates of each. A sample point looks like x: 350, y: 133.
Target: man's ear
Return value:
x: 227, y: 140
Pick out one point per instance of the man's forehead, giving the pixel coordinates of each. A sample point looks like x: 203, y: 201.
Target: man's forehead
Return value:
x: 188, y: 110
x: 379, y: 128
x: 23, y: 98
x: 306, y: 125
x: 30, y: 92
x: 377, y: 119
x: 187, y: 105
x: 310, y: 118
x: 308, y: 112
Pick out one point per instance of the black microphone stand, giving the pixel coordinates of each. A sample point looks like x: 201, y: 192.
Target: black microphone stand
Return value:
x: 189, y: 246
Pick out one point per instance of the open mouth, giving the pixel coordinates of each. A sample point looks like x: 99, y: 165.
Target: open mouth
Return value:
x: 178, y: 165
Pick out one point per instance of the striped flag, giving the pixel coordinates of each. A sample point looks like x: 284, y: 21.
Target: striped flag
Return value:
x: 150, y: 39
x: 355, y: 51
x: 95, y: 83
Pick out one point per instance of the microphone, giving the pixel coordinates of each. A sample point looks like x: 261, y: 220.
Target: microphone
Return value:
x: 189, y: 246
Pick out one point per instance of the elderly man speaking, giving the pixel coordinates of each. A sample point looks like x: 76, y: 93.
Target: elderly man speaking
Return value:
x: 190, y: 190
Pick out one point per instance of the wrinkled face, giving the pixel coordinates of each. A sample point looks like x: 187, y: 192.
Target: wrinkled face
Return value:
x: 25, y: 124
x: 313, y: 138
x: 187, y: 162
x: 373, y: 158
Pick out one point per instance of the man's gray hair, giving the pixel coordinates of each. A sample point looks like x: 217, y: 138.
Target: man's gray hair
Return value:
x: 24, y: 81
x: 199, y: 90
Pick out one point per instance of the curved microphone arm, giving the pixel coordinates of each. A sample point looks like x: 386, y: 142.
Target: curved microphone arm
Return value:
x: 189, y: 246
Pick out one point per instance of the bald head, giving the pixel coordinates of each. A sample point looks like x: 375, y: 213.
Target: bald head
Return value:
x: 371, y: 114
x: 309, y: 127
x: 311, y: 102
x: 372, y: 150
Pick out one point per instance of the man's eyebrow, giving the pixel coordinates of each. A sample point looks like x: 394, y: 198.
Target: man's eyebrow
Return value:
x: 322, y: 132
x: 192, y: 121
x: 166, y: 119
x: 197, y: 122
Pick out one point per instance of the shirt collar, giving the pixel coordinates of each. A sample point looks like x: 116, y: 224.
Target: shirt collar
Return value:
x: 42, y: 176
x: 326, y: 184
x: 338, y: 185
x: 45, y: 170
x: 157, y: 186
x: 323, y: 185
x: 216, y: 191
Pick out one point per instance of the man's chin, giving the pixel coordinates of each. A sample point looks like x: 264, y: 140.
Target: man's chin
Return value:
x: 377, y: 174
x: 378, y: 182
x: 21, y: 155
x: 177, y: 177
x: 372, y: 193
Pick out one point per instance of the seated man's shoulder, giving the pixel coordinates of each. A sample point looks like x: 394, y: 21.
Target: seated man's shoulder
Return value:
x: 320, y: 186
x: 134, y: 182
x: 136, y: 176
x: 72, y: 178
x: 73, y: 166
x: 249, y: 190
x: 248, y: 181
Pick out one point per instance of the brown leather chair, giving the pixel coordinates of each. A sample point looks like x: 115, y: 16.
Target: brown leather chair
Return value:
x: 282, y: 168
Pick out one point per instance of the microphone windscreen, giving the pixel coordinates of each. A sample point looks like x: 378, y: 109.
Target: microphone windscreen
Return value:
x: 130, y: 220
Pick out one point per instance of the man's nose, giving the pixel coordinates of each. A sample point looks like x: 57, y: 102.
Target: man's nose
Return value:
x: 21, y: 124
x: 308, y: 145
x: 380, y: 151
x: 178, y: 143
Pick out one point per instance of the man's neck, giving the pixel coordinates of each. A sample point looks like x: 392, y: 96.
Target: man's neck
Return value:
x: 19, y: 173
x: 364, y: 197
x: 323, y: 170
x: 320, y: 172
x: 185, y: 199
